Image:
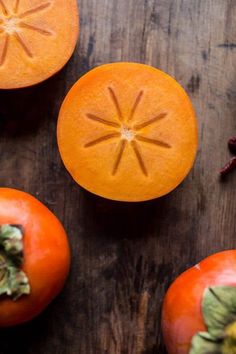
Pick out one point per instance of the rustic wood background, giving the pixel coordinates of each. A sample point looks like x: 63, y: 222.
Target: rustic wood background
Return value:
x: 126, y: 255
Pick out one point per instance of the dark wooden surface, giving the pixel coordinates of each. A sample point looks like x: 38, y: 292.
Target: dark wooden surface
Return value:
x: 126, y: 255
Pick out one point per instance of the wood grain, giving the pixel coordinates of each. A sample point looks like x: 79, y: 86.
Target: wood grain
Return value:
x: 126, y: 255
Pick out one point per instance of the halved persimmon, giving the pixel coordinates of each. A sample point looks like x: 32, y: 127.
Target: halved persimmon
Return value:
x: 34, y: 257
x: 37, y: 38
x: 127, y: 132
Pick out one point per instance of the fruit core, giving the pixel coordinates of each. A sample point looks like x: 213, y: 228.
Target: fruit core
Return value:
x: 127, y: 133
x: 10, y: 25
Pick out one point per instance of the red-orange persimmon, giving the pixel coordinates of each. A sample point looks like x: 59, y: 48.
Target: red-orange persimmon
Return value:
x: 34, y: 257
x: 199, y: 311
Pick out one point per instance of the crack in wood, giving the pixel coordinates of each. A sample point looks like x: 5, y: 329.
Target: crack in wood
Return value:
x: 227, y: 45
x: 102, y: 139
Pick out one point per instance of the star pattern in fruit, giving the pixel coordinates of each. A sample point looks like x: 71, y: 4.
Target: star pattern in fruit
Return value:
x: 15, y: 23
x: 126, y: 131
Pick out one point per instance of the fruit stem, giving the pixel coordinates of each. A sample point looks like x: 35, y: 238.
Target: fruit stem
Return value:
x: 229, y: 345
x: 13, y: 281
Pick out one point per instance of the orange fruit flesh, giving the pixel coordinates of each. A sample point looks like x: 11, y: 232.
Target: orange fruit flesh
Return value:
x: 37, y: 38
x: 127, y: 132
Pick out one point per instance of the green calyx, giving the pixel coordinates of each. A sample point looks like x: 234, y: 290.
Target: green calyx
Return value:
x: 219, y: 313
x: 13, y: 281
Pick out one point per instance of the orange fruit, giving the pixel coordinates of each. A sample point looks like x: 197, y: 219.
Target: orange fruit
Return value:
x: 127, y: 132
x: 37, y: 38
x: 45, y: 257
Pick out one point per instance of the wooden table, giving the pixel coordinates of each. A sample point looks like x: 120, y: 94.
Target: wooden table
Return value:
x: 126, y: 255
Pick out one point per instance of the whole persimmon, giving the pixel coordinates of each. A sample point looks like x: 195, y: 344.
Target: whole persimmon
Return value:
x: 127, y: 132
x: 199, y: 311
x: 37, y: 38
x: 34, y: 257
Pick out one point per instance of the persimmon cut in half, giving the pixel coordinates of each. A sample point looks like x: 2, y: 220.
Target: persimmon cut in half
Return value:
x: 127, y: 132
x: 37, y: 38
x: 34, y: 257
